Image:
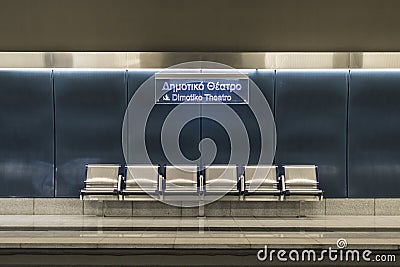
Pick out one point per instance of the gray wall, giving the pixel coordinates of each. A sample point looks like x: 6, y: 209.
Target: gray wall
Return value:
x: 74, y: 206
x: 206, y: 25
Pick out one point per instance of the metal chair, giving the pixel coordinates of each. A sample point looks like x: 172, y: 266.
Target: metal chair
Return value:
x: 102, y: 180
x: 142, y: 180
x: 181, y: 179
x: 301, y: 182
x: 221, y: 179
x: 261, y: 182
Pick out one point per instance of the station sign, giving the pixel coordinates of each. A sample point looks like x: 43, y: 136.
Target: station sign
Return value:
x: 201, y: 88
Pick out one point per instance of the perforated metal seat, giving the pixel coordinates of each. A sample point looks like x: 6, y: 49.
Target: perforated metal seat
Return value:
x: 221, y: 179
x: 181, y: 179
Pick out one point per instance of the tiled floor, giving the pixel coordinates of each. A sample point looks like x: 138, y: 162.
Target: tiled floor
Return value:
x: 372, y: 232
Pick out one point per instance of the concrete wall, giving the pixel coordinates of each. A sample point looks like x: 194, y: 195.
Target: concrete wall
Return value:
x: 74, y: 206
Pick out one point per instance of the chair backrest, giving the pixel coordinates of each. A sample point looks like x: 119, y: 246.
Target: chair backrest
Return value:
x: 141, y: 173
x: 301, y: 176
x: 181, y: 173
x: 261, y: 174
x: 223, y: 177
x: 107, y: 171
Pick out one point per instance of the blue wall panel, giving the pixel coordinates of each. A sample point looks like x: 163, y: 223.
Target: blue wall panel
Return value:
x: 374, y: 131
x: 189, y: 137
x: 310, y: 113
x: 26, y: 133
x: 264, y: 79
x: 89, y: 109
x: 311, y: 119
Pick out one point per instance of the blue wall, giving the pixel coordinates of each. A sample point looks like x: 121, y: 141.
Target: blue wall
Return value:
x: 26, y: 133
x: 89, y: 110
x: 264, y: 79
x: 374, y: 131
x: 52, y: 123
x: 311, y: 121
x: 190, y: 134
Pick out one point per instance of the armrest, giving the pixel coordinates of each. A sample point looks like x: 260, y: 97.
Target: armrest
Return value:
x: 201, y: 180
x: 119, y: 183
x: 160, y: 182
x: 242, y: 184
x: 282, y: 180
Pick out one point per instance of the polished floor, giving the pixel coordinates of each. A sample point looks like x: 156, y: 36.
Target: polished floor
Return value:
x: 373, y: 232
x: 52, y: 240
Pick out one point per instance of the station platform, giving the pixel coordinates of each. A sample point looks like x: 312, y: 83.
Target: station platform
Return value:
x: 155, y: 241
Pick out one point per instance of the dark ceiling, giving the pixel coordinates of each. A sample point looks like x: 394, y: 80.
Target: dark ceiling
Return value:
x: 200, y: 26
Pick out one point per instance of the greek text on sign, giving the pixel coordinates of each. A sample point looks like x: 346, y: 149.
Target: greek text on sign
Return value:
x: 202, y: 88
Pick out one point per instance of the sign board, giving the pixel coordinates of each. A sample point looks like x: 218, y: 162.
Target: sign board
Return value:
x: 201, y: 88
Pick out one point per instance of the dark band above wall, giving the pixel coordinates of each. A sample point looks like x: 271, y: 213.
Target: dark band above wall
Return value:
x: 199, y: 26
